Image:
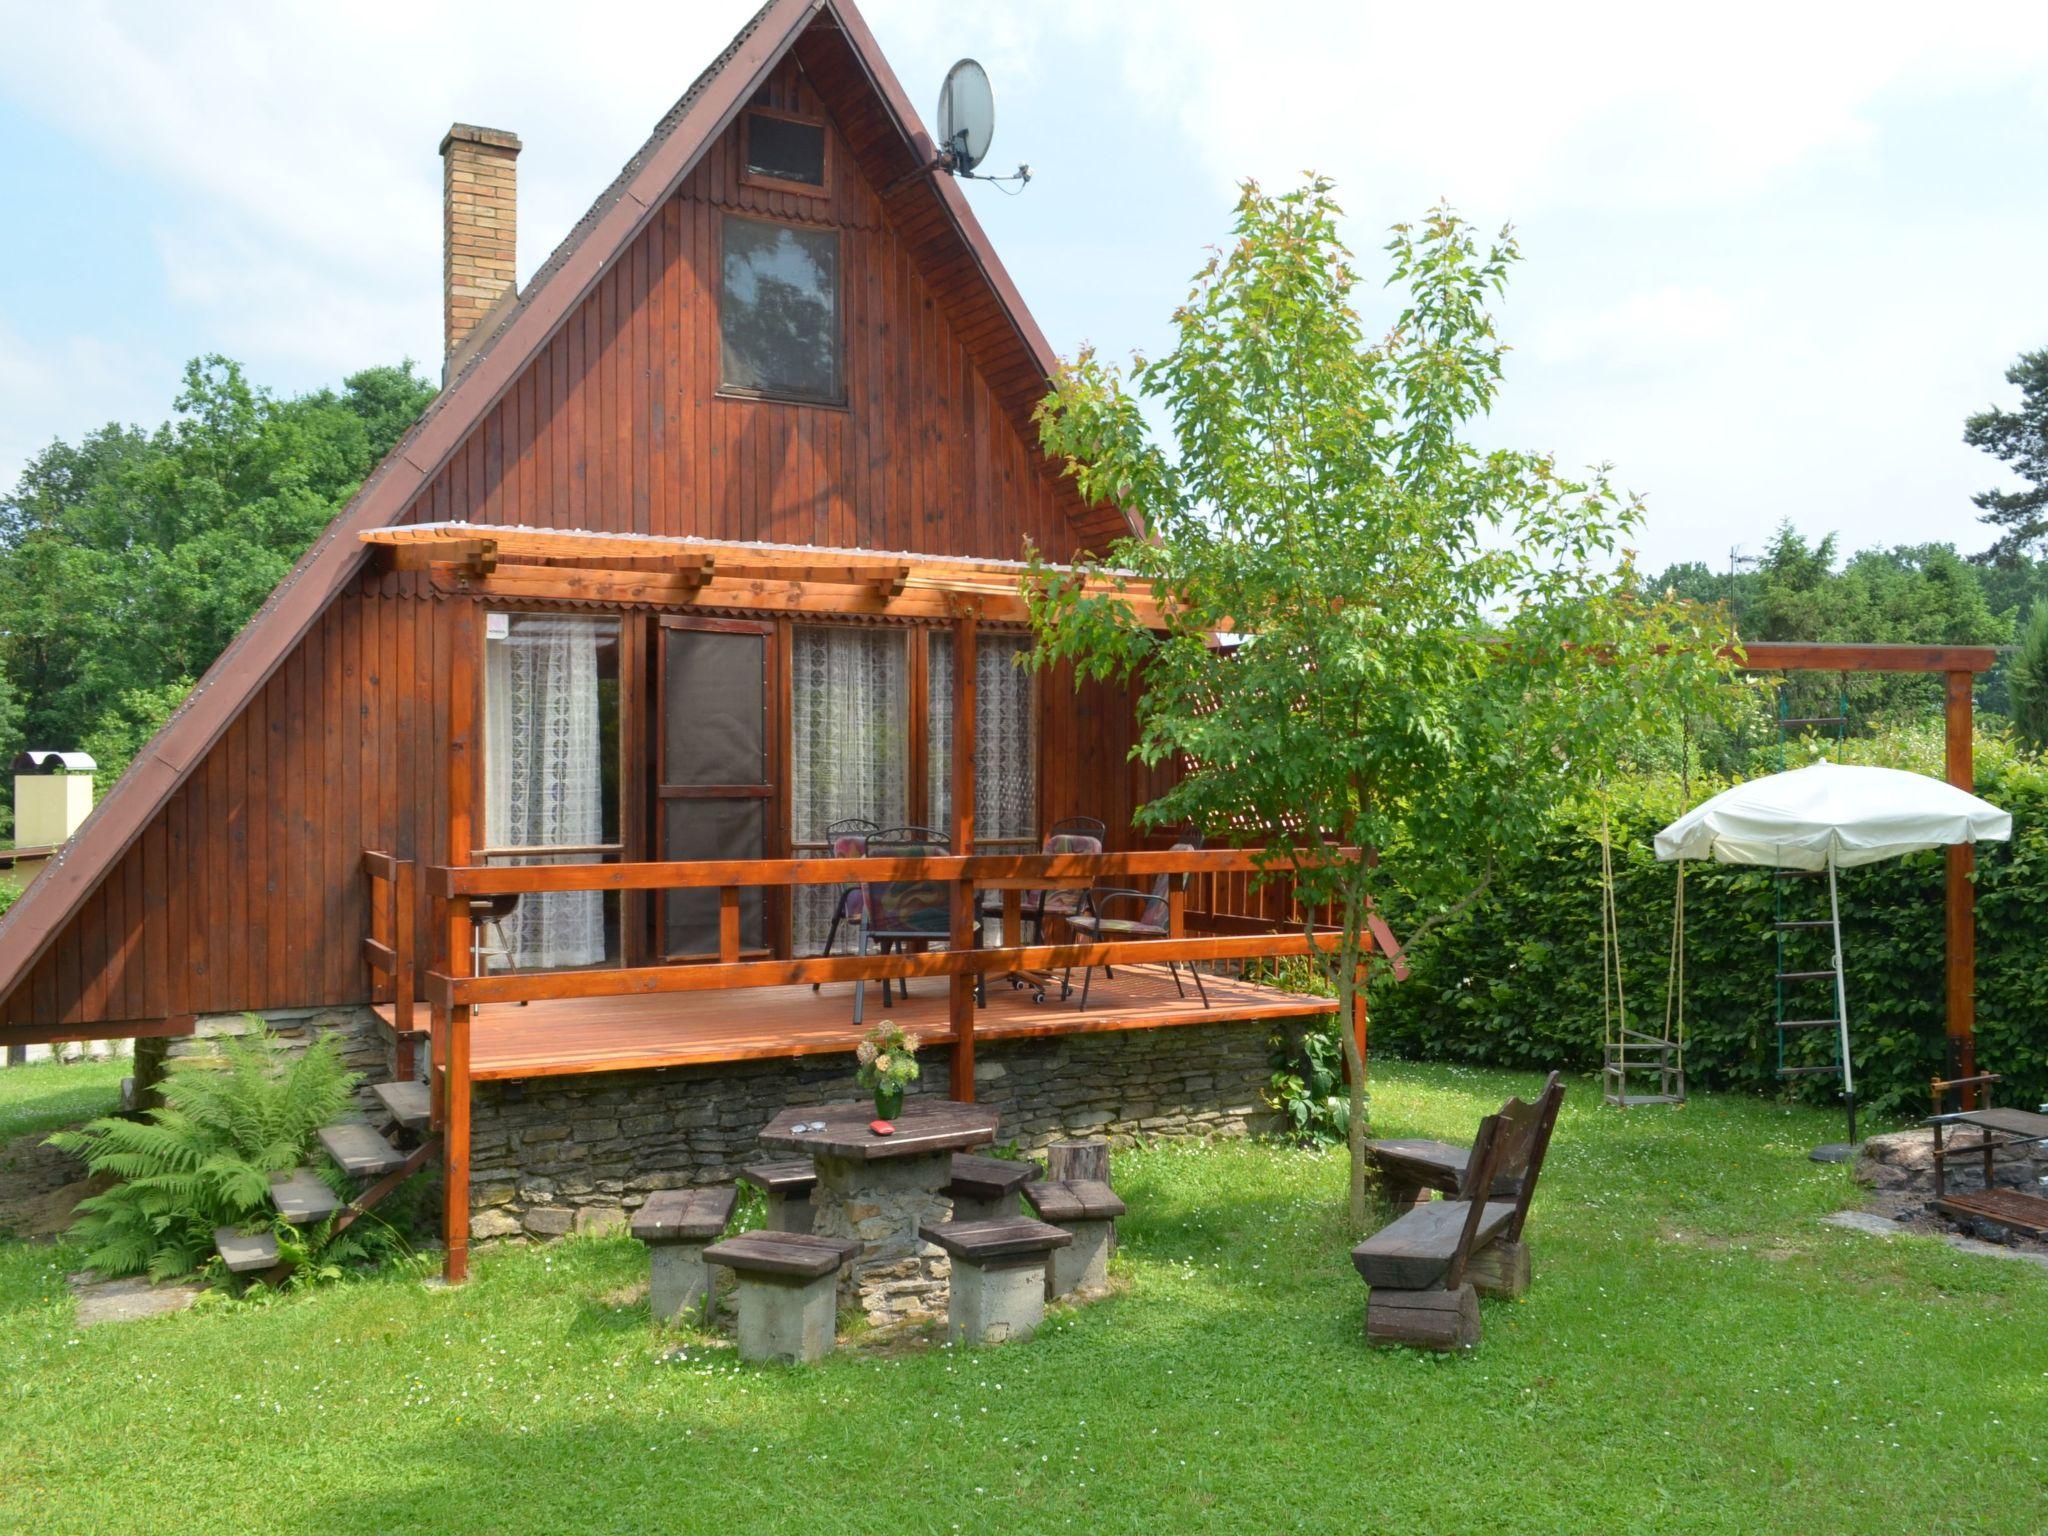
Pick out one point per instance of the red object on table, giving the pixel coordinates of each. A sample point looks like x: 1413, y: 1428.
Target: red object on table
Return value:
x: 881, y: 1128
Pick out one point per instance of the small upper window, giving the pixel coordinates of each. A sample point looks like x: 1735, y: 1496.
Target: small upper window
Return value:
x: 778, y: 311
x: 785, y: 149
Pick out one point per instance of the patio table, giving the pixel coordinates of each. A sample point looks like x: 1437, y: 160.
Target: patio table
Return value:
x: 878, y: 1189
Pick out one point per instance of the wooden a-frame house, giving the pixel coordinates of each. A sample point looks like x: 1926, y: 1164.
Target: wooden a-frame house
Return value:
x: 523, y: 780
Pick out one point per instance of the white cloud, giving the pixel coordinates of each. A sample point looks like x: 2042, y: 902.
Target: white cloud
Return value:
x: 1761, y: 277
x: 1524, y: 106
x: 68, y: 387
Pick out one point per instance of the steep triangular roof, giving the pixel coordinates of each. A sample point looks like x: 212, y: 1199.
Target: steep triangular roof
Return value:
x: 839, y: 54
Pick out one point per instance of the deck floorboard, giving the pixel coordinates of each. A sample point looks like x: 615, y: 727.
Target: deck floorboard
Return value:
x: 568, y: 1036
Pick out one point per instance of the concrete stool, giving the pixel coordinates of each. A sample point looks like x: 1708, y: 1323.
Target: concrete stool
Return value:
x: 788, y: 1186
x: 999, y: 1284
x: 675, y: 1224
x: 1087, y: 1209
x: 789, y: 1292
x: 985, y: 1188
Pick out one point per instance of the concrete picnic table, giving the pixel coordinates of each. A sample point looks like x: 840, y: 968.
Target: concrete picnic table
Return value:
x: 878, y: 1189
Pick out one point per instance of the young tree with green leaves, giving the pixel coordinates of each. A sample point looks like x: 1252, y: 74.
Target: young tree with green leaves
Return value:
x: 1388, y: 651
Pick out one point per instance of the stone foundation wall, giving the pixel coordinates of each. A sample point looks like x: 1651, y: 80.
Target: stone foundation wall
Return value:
x: 552, y: 1155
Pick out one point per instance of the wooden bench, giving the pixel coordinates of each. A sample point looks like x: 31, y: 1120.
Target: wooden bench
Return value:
x: 1427, y: 1268
x: 998, y: 1290
x: 788, y: 1185
x: 1087, y: 1209
x: 985, y: 1188
x: 788, y: 1291
x: 1409, y: 1167
x: 675, y: 1224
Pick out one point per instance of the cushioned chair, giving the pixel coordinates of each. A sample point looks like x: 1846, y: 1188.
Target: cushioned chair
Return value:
x: 905, y: 912
x: 1074, y: 834
x: 1112, y: 914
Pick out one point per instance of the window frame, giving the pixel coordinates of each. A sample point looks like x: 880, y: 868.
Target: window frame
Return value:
x: 749, y: 177
x: 729, y: 391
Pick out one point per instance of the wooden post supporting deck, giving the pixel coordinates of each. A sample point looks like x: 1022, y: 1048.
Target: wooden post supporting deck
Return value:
x: 966, y: 660
x: 451, y: 1032
x: 1961, y: 894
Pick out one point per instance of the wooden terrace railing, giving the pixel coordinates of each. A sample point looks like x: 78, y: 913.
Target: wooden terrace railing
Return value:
x: 453, y: 991
x: 388, y: 951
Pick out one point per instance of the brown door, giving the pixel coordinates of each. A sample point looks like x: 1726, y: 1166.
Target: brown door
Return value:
x: 718, y: 772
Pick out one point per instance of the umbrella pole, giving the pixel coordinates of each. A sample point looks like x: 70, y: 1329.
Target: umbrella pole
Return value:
x: 1841, y: 998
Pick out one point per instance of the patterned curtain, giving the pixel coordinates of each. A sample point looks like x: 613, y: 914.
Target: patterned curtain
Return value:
x: 1005, y: 741
x: 850, y: 747
x: 543, y: 769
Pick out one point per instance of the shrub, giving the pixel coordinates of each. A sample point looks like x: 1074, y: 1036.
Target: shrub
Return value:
x: 1516, y: 981
x: 1307, y: 1085
x: 204, y: 1160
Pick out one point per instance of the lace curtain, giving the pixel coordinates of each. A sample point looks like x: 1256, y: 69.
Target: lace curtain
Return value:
x: 543, y: 768
x: 1005, y: 741
x: 850, y: 748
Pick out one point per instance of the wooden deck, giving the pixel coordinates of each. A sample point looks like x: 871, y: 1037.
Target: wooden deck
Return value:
x: 567, y: 1036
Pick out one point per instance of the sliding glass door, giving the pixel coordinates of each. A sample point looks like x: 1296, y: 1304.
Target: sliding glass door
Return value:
x: 1005, y: 741
x: 850, y: 747
x: 551, y: 781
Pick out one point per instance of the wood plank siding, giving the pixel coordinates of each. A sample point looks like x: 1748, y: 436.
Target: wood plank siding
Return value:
x: 245, y: 889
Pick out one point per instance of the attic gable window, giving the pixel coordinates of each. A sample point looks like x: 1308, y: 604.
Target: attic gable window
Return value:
x: 778, y: 311
x: 785, y: 152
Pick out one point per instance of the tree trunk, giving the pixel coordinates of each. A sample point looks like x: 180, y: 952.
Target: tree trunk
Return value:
x: 1349, y: 978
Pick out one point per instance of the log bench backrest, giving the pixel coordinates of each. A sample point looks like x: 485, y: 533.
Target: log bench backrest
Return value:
x: 1521, y: 1141
x: 1487, y: 1148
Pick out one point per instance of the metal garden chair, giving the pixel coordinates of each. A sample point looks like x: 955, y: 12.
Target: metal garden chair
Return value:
x: 1071, y: 834
x: 848, y: 839
x: 1146, y: 915
x: 903, y: 912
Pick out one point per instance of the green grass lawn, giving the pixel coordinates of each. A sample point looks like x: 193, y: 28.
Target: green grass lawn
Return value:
x: 1697, y: 1354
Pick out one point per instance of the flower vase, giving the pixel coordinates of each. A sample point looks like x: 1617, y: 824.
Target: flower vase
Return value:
x: 888, y: 1100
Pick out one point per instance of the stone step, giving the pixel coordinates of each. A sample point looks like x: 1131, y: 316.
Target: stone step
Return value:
x: 302, y: 1197
x: 245, y: 1252
x: 409, y: 1103
x: 360, y: 1151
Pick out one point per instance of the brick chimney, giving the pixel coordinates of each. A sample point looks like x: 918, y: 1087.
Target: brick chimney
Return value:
x: 479, y: 223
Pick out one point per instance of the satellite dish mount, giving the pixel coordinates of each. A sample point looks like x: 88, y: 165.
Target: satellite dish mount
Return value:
x: 967, y: 121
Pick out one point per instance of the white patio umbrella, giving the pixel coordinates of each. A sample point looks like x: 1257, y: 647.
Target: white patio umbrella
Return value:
x: 1832, y: 816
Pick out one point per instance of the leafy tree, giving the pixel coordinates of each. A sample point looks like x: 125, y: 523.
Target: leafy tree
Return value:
x: 1431, y: 643
x: 125, y: 727
x: 130, y: 559
x: 2018, y: 439
x: 2027, y: 679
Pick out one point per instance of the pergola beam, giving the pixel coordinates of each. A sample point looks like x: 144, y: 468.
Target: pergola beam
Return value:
x: 1959, y: 666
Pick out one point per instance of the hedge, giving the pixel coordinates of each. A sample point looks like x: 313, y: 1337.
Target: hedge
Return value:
x: 1516, y: 981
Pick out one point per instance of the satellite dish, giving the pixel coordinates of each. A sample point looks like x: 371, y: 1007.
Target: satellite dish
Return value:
x: 967, y: 116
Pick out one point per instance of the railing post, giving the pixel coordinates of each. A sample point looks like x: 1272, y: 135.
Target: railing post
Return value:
x: 728, y: 924
x: 404, y: 980
x: 966, y: 665
x: 455, y: 1149
x: 458, y: 959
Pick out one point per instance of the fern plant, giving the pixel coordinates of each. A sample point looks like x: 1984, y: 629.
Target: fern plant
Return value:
x: 204, y: 1158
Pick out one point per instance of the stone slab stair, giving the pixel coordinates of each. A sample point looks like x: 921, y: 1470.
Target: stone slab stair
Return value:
x: 364, y: 1151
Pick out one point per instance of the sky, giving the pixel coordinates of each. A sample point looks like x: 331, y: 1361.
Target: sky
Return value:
x: 1774, y: 254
